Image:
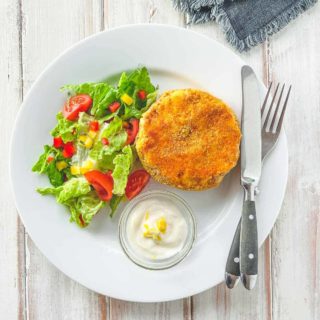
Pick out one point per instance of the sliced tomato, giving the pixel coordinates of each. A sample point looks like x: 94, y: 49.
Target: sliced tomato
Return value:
x: 105, y: 141
x: 57, y: 142
x: 136, y: 182
x: 75, y: 105
x: 102, y: 183
x: 68, y: 150
x: 142, y: 95
x: 132, y: 130
x: 94, y: 126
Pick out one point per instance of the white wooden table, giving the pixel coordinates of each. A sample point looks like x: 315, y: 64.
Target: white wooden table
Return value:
x: 32, y: 33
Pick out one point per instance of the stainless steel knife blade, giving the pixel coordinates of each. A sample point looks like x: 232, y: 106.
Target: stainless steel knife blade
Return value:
x: 251, y: 128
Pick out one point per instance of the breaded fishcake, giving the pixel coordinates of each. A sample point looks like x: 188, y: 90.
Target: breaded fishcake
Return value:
x: 188, y: 139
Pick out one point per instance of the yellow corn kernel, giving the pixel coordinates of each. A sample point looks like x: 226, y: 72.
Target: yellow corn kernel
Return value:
x: 61, y: 165
x: 126, y: 99
x: 87, y: 166
x: 82, y: 139
x: 162, y: 225
x: 84, y: 170
x: 156, y: 237
x: 151, y: 233
x: 88, y: 143
x: 147, y: 234
x: 92, y: 134
x: 75, y: 170
x: 147, y: 216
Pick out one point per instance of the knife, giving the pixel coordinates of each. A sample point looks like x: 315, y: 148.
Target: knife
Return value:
x: 250, y: 175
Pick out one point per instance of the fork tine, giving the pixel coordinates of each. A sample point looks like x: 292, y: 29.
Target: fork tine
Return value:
x: 277, y: 109
x: 269, y: 111
x: 283, y: 111
x: 266, y: 99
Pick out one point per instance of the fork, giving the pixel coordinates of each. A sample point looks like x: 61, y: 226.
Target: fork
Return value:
x: 269, y: 136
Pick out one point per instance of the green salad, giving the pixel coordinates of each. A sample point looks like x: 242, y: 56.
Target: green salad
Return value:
x: 89, y: 163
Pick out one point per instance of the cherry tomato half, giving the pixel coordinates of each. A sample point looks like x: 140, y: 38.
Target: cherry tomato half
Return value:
x: 102, y: 183
x: 132, y: 130
x: 136, y: 182
x: 75, y: 105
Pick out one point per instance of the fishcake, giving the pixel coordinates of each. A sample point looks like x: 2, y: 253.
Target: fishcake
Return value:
x: 188, y: 139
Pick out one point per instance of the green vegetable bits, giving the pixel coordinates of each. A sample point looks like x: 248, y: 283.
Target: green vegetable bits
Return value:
x: 105, y: 146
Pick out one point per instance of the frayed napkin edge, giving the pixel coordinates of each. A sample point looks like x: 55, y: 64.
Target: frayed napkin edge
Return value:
x: 218, y: 14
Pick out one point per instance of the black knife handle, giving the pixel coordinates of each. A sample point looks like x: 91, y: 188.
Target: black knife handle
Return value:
x: 232, y: 273
x: 249, y: 244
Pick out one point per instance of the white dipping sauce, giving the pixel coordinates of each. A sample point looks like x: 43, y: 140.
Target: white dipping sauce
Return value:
x: 156, y: 229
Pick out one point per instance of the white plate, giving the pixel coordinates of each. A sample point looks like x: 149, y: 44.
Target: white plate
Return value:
x: 177, y: 58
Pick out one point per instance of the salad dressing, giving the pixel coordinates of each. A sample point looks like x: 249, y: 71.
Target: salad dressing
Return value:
x: 156, y: 230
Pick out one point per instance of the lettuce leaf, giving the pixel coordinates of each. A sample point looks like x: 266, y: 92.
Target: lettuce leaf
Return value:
x: 130, y: 84
x: 73, y: 188
x: 139, y: 79
x: 101, y: 93
x: 84, y: 208
x: 112, y: 128
x: 118, y: 141
x: 104, y: 94
x: 76, y: 194
x: 50, y: 191
x: 84, y: 122
x: 55, y: 176
x: 114, y: 203
x: 42, y: 164
x: 136, y: 111
x: 64, y: 128
x: 104, y: 156
x: 122, y: 165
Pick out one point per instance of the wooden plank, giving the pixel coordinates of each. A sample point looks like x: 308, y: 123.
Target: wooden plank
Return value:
x: 296, y: 239
x: 122, y: 12
x: 49, y: 28
x: 143, y: 11
x: 11, y: 231
x: 238, y: 303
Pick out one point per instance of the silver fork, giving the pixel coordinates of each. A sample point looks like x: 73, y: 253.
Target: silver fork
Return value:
x: 269, y: 136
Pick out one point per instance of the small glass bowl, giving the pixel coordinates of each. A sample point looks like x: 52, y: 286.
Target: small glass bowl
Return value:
x: 158, y: 264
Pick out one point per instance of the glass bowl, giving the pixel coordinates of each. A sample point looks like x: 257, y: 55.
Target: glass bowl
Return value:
x: 153, y: 263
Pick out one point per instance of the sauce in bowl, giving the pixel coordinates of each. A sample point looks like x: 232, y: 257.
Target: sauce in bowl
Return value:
x: 157, y: 230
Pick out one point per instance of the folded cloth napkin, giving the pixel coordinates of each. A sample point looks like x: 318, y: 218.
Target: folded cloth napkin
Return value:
x: 245, y: 22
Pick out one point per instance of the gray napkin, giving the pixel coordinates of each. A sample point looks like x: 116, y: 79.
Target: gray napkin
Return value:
x: 245, y: 22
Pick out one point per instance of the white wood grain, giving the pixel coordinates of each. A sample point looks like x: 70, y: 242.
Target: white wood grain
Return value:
x: 123, y: 12
x: 49, y: 28
x: 11, y: 231
x: 295, y: 58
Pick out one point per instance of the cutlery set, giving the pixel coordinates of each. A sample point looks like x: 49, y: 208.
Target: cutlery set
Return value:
x: 260, y: 133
